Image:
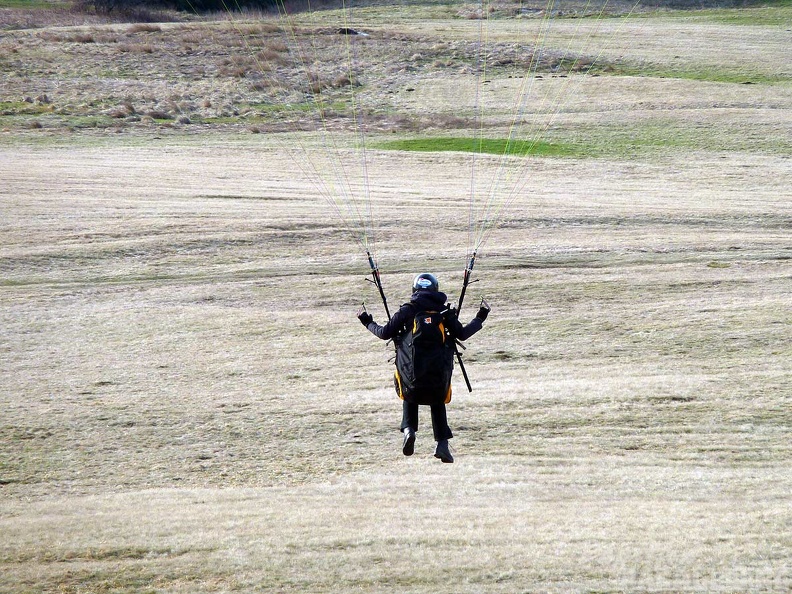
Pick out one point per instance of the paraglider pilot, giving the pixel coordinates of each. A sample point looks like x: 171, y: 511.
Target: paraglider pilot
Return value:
x: 424, y: 331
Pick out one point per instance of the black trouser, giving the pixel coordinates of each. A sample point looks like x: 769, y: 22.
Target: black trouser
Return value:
x: 439, y: 419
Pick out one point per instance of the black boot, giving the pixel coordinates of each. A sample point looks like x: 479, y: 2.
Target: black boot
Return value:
x: 408, y: 447
x: 442, y: 451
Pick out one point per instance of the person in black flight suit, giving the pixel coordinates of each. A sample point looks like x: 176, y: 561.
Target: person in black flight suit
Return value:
x: 426, y: 297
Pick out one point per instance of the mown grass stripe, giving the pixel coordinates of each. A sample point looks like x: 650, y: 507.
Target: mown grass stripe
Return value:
x: 493, y: 146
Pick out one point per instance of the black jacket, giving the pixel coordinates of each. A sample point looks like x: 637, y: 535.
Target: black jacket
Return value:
x: 424, y: 300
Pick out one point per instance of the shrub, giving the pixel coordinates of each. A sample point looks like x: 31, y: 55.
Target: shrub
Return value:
x: 136, y: 48
x: 267, y: 55
x: 83, y: 38
x: 193, y: 39
x: 278, y: 46
x: 342, y: 81
x: 158, y: 114
x: 144, y: 28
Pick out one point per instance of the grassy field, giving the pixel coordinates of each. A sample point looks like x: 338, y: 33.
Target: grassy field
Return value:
x: 189, y: 404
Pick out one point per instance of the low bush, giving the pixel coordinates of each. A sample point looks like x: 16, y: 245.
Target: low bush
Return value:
x: 144, y: 28
x: 136, y: 48
x: 158, y: 114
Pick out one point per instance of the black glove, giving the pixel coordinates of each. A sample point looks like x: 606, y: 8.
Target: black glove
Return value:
x: 483, y: 312
x: 365, y: 318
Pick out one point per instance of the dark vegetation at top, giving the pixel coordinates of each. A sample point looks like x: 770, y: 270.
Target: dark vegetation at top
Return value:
x: 132, y: 7
x: 189, y: 6
x: 31, y: 14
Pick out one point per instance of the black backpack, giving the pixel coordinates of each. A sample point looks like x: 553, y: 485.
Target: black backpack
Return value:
x: 425, y: 360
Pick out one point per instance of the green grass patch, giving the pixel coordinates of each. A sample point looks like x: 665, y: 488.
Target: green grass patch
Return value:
x: 12, y: 108
x: 492, y: 146
x: 30, y: 4
x: 662, y: 137
x: 703, y: 74
x: 90, y: 121
x: 649, y: 140
x: 775, y: 13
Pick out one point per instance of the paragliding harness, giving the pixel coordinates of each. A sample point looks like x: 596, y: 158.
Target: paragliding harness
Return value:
x: 425, y: 353
x: 425, y: 359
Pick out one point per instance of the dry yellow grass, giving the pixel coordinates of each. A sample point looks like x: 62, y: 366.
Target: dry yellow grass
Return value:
x: 188, y: 410
x: 189, y: 404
